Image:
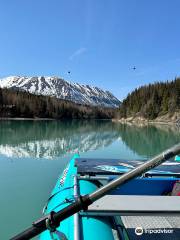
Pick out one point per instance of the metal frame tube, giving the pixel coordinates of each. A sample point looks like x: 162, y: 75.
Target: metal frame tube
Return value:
x: 76, y: 215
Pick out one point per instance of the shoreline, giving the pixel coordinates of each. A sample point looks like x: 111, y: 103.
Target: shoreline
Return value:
x: 145, y: 122
x: 116, y: 120
x: 49, y: 119
x: 26, y: 119
x: 166, y: 119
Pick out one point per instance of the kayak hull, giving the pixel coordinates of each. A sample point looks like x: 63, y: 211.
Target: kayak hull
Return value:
x: 87, y: 227
x: 62, y: 195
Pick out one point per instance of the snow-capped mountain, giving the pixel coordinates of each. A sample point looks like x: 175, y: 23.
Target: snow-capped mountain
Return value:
x: 59, y: 88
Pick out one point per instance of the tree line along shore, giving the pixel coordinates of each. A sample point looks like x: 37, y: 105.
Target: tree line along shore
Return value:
x: 154, y: 102
x: 19, y: 104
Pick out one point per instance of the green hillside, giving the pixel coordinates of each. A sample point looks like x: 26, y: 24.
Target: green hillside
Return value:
x: 151, y: 101
x: 18, y: 104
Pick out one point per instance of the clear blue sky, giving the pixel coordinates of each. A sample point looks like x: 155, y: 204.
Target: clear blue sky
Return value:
x: 99, y: 41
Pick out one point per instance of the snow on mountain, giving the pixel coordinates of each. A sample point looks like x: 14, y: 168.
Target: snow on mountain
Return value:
x: 59, y: 88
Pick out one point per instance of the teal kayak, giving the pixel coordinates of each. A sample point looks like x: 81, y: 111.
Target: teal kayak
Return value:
x: 177, y: 158
x: 108, y: 199
x: 84, y: 176
x: 62, y: 195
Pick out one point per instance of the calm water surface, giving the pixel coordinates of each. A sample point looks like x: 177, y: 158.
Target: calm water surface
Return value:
x: 34, y: 153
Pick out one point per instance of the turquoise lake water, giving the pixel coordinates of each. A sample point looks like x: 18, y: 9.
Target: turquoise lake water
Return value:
x: 34, y: 153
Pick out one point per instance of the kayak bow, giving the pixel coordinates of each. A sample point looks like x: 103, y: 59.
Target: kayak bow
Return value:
x: 52, y: 220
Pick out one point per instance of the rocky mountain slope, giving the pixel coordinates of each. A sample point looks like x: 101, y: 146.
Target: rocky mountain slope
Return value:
x: 59, y: 88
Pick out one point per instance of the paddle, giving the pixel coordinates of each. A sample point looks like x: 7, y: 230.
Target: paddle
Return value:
x: 52, y: 220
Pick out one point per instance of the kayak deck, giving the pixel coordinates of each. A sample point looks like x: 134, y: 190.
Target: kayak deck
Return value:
x: 150, y: 223
x: 126, y: 205
x: 95, y: 166
x: 140, y: 202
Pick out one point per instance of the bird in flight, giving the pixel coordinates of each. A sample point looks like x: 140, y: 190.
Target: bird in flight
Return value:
x: 134, y: 68
x: 69, y: 72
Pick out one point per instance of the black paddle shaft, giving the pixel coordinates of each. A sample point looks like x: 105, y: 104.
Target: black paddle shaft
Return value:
x: 54, y: 219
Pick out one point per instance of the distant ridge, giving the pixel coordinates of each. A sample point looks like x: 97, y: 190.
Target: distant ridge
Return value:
x: 59, y: 88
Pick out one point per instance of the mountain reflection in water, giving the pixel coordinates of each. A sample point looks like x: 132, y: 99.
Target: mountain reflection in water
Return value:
x: 51, y: 139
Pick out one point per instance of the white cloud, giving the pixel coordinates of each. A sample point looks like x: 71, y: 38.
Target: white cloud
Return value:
x: 78, y: 52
